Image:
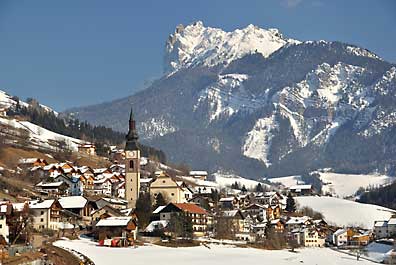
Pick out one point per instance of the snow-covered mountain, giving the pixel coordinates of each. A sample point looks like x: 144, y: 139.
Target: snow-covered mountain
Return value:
x: 196, y: 44
x: 258, y: 104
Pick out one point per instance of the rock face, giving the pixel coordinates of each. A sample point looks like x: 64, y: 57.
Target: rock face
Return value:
x: 256, y: 103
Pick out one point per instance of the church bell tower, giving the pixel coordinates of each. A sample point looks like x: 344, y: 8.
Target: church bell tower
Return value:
x: 132, y: 164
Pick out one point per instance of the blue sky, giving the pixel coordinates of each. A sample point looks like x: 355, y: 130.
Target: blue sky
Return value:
x: 75, y: 53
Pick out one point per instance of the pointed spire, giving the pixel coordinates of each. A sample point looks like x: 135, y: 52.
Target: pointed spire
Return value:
x: 132, y: 136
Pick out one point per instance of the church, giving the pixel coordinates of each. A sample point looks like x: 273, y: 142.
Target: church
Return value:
x: 132, y: 164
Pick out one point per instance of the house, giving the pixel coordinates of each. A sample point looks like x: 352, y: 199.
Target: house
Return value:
x: 202, y: 201
x: 145, y: 184
x: 229, y: 203
x: 5, y: 210
x: 117, y: 226
x: 75, y: 186
x: 273, y: 212
x: 78, y: 205
x: 301, y: 190
x: 256, y: 210
x: 340, y: 237
x: 3, y: 112
x: 89, y: 149
x: 298, y: 222
x: 230, y: 224
x: 381, y: 229
x: 45, y: 214
x: 278, y: 225
x: 157, y: 228
x: 105, y: 212
x: 32, y: 162
x: 103, y: 184
x: 115, y: 203
x: 87, y: 181
x: 199, y: 174
x: 392, y: 227
x: 174, y: 191
x: 56, y: 188
x: 310, y: 238
x: 201, y: 220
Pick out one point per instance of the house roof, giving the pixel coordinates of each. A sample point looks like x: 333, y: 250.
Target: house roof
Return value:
x: 392, y: 221
x: 159, y: 209
x: 228, y: 199
x: 340, y: 232
x: 50, y: 184
x: 191, y: 208
x: 156, y: 225
x: 198, y: 173
x: 298, y: 220
x: 301, y: 187
x: 114, y: 221
x: 231, y: 213
x: 381, y: 224
x: 41, y: 205
x: 73, y: 202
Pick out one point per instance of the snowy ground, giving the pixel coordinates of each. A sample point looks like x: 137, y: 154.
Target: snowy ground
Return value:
x: 287, y: 181
x: 344, y: 212
x: 41, y: 136
x: 201, y: 255
x: 226, y: 180
x: 344, y: 185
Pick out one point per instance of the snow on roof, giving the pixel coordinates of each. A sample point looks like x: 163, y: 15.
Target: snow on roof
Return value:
x: 145, y: 180
x: 114, y: 221
x: 72, y: 202
x: 198, y: 173
x: 381, y: 224
x: 49, y: 185
x: 41, y: 205
x: 228, y: 199
x: 115, y: 201
x: 392, y: 221
x: 3, y: 208
x: 298, y: 220
x: 154, y: 225
x: 339, y: 232
x: 143, y: 161
x: 159, y: 209
x: 27, y: 160
x: 301, y: 187
x: 230, y: 213
x: 19, y: 207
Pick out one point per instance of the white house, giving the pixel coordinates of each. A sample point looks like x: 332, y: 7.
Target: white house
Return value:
x: 310, y: 238
x: 340, y: 237
x: 45, y: 214
x: 4, y: 229
x: 76, y: 187
x: 381, y: 229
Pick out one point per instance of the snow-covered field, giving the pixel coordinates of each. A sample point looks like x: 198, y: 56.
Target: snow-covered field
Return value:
x: 378, y: 252
x: 217, y: 254
x: 226, y: 179
x: 287, y: 181
x: 344, y: 185
x: 344, y: 212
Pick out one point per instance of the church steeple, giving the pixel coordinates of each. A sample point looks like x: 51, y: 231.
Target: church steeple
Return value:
x: 132, y: 136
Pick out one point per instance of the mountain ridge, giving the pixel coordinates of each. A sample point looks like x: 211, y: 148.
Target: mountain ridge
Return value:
x: 262, y: 115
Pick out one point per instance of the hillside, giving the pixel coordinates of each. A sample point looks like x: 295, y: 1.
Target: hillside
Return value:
x: 384, y: 196
x: 39, y: 127
x: 255, y: 103
x: 346, y: 213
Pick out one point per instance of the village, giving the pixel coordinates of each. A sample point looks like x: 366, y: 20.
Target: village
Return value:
x: 136, y: 200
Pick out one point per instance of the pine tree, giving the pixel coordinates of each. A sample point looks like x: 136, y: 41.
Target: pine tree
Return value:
x: 159, y: 200
x: 259, y: 188
x: 290, y: 204
x: 244, y: 190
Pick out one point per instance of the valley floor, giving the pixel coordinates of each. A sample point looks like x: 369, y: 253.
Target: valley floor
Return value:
x: 216, y: 254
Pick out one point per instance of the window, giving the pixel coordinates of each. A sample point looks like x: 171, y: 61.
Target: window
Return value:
x: 172, y: 194
x: 131, y: 164
x: 42, y: 220
x: 1, y: 226
x: 42, y: 212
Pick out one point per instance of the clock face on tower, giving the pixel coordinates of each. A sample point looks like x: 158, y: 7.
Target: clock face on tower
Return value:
x: 131, y: 154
